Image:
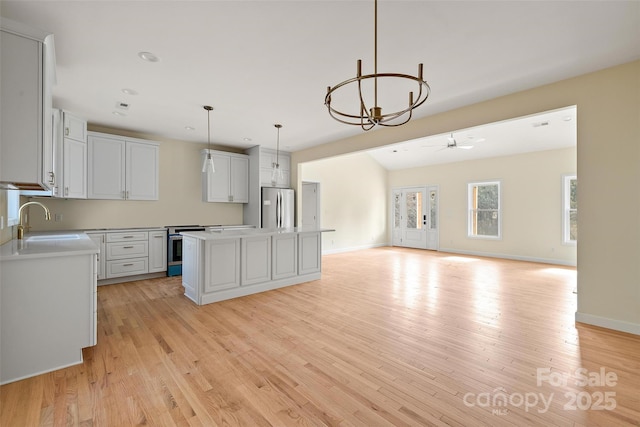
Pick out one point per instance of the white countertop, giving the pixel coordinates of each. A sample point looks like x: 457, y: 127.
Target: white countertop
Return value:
x: 230, y: 233
x: 48, y: 244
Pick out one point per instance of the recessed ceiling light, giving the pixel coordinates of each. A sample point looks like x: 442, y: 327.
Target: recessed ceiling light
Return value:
x: 148, y: 56
x: 247, y: 139
x: 118, y: 113
x: 190, y: 128
x: 129, y: 91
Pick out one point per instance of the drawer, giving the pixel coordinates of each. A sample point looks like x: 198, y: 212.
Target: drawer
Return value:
x: 127, y: 267
x: 127, y: 237
x: 133, y: 249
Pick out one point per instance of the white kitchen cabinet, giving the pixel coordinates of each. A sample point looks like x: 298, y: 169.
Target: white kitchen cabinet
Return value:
x: 284, y: 256
x: 309, y: 252
x: 130, y: 254
x: 74, y: 127
x: 122, y: 168
x: 27, y: 70
x: 99, y: 240
x: 70, y: 141
x: 157, y: 251
x: 192, y: 268
x: 142, y: 171
x: 127, y: 253
x: 74, y: 172
x: 256, y: 260
x: 230, y: 181
x: 268, y: 158
x: 222, y: 265
x: 48, y: 311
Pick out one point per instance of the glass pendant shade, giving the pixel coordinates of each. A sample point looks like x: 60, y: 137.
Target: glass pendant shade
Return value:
x: 276, y: 175
x: 276, y: 172
x: 207, y: 165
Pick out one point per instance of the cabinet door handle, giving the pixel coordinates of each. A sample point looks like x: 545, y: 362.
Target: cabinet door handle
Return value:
x: 52, y: 178
x: 127, y: 265
x: 66, y: 191
x: 127, y: 247
x: 127, y: 237
x: 66, y: 131
x: 159, y: 237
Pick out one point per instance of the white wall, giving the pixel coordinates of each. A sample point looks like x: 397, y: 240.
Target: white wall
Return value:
x: 353, y: 201
x: 531, y: 186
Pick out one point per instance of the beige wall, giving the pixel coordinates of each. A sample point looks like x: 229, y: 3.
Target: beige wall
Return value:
x: 531, y: 186
x: 353, y: 201
x: 180, y: 198
x: 608, y: 158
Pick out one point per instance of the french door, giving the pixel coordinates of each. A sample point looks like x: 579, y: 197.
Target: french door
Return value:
x: 415, y: 217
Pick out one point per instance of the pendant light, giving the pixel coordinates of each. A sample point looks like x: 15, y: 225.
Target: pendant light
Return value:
x: 207, y: 165
x: 276, y: 173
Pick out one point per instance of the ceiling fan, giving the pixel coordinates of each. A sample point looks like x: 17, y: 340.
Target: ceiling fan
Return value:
x: 453, y: 144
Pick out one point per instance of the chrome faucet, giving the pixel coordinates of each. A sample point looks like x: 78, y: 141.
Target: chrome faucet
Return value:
x: 47, y: 216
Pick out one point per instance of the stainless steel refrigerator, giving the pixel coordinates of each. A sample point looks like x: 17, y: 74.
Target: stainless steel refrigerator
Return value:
x: 277, y: 207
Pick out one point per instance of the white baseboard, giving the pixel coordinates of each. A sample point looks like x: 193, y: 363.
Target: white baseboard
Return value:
x: 351, y: 249
x: 605, y: 322
x: 510, y: 256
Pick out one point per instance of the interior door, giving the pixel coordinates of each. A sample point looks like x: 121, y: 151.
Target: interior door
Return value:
x: 310, y: 204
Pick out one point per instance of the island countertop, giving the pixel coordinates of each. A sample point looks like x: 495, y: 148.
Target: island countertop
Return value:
x: 231, y: 233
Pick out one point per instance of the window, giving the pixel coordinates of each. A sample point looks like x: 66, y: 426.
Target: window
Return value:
x: 484, y: 210
x: 569, y: 209
x: 414, y: 209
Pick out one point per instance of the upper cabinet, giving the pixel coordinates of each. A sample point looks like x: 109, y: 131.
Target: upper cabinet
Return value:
x: 70, y: 142
x: 27, y: 74
x: 230, y: 181
x: 268, y: 158
x: 122, y: 168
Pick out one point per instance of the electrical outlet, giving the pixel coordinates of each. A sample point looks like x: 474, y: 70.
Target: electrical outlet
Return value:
x: 58, y: 217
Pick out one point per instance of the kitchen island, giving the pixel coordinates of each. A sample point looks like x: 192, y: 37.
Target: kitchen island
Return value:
x: 220, y: 265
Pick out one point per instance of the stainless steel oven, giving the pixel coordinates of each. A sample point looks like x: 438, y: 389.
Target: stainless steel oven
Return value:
x: 174, y: 249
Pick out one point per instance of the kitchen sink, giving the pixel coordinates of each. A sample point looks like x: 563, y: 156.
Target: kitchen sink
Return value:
x: 49, y: 237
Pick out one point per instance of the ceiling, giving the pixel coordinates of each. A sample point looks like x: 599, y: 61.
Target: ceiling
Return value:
x: 264, y: 62
x: 550, y: 130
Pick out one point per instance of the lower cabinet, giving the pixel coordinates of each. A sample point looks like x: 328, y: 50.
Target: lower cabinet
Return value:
x: 222, y: 265
x: 285, y: 256
x: 256, y: 260
x: 130, y: 253
x: 157, y: 251
x: 310, y: 251
x: 48, y: 315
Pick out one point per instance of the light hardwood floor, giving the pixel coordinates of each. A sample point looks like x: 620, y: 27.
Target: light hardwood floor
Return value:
x: 388, y: 336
